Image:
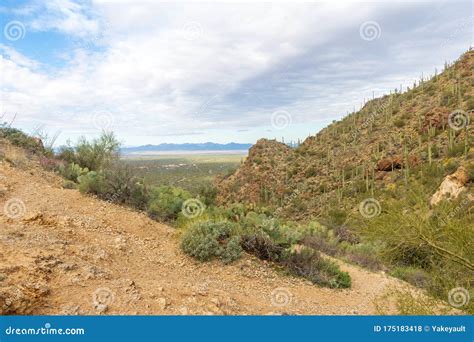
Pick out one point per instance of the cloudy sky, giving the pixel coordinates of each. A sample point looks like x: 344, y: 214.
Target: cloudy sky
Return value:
x: 158, y: 72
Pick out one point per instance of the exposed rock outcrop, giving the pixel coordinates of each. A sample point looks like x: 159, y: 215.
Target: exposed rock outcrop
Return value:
x: 451, y: 186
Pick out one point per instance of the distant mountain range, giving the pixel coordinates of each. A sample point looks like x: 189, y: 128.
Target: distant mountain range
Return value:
x: 208, y: 146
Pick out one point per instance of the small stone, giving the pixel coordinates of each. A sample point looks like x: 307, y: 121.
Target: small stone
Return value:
x: 216, y: 302
x: 162, y: 302
x: 184, y: 310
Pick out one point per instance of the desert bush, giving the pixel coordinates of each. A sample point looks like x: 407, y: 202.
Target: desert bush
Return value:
x: 470, y: 170
x: 447, y: 98
x: 344, y: 233
x: 20, y: 139
x: 336, y: 217
x: 408, y: 303
x: 92, y: 182
x: 98, y: 153
x: 456, y: 150
x: 322, y: 242
x: 307, y: 263
x: 235, y: 212
x: 435, y: 239
x: 262, y: 246
x: 208, y: 240
x: 364, y: 255
x: 208, y: 193
x: 165, y: 202
x: 50, y: 164
x: 123, y: 186
x: 116, y: 184
x: 412, y: 275
x: 66, y: 153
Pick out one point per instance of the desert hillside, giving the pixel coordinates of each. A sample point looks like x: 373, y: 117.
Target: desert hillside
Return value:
x: 385, y: 143
x: 67, y: 253
x: 393, y: 183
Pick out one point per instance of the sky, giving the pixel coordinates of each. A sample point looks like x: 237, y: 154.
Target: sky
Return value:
x: 177, y: 72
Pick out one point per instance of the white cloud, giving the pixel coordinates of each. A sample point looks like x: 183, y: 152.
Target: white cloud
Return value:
x: 162, y: 69
x: 66, y: 16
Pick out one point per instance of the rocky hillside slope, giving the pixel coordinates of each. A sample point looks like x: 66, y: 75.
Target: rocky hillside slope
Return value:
x: 62, y: 252
x: 382, y: 144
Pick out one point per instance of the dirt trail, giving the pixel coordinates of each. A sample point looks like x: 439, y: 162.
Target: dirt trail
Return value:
x: 74, y: 254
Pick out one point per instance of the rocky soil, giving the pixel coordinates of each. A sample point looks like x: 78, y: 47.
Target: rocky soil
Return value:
x: 62, y: 252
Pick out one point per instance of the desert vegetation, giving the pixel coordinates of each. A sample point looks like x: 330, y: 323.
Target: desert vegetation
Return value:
x: 362, y: 190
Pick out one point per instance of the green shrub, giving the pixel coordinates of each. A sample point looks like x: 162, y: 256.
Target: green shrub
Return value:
x: 415, y: 276
x: 364, y: 255
x: 470, y: 171
x: 450, y: 166
x: 408, y: 302
x: 165, y: 202
x: 98, y: 153
x: 308, y: 263
x: 18, y: 138
x: 123, y: 186
x: 207, y: 240
x: 116, y: 184
x: 92, y: 182
x: 447, y: 98
x: 323, y: 240
x: 434, y: 239
x: 208, y: 192
x: 456, y: 150
x: 262, y: 246
x: 336, y: 217
x: 66, y: 153
x: 235, y: 212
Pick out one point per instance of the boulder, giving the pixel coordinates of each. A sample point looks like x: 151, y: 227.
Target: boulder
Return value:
x: 451, y: 186
x: 395, y: 162
x: 388, y: 164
